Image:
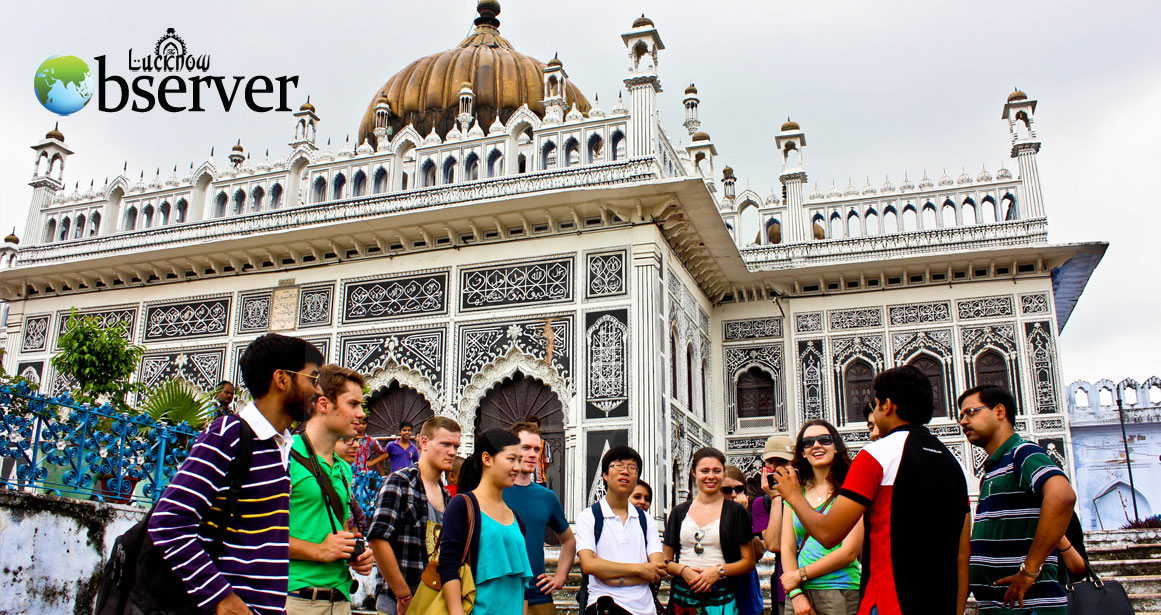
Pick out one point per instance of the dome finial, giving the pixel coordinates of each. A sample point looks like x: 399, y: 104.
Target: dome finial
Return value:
x: 488, y: 9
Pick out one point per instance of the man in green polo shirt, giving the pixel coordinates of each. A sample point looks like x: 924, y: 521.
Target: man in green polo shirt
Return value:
x: 320, y: 543
x: 1024, y: 508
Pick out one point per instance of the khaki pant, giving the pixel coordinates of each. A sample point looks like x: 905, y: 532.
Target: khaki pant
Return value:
x: 829, y: 601
x: 302, y: 606
x: 547, y: 608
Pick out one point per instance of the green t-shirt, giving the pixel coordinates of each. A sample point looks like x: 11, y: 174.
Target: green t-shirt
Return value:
x: 309, y: 521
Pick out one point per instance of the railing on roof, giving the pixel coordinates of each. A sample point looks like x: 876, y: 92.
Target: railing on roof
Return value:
x: 54, y: 445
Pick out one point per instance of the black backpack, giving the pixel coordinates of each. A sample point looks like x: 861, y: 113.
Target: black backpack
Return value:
x: 136, y: 578
x: 582, y: 595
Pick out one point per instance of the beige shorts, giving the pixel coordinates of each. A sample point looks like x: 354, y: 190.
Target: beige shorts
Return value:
x: 302, y: 606
x: 547, y: 608
x: 829, y: 601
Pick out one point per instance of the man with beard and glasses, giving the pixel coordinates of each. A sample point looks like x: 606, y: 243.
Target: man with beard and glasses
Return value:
x: 248, y: 573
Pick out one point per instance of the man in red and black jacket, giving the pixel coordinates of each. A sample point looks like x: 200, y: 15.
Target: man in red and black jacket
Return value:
x: 914, y: 495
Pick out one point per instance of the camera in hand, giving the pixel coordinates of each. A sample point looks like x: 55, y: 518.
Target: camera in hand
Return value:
x: 360, y: 546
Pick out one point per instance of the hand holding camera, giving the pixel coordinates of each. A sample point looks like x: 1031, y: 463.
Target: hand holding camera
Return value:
x: 787, y: 482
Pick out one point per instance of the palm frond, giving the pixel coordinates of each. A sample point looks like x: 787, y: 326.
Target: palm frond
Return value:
x: 177, y: 400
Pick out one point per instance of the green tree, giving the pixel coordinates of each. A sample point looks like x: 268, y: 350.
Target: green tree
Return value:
x: 101, y: 360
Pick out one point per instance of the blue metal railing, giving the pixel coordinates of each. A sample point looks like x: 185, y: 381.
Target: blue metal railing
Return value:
x: 57, y: 446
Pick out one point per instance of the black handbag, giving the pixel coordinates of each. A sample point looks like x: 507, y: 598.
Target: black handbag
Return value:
x: 1093, y: 596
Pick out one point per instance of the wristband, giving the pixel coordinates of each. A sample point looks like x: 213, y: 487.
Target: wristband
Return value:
x: 794, y: 593
x: 1024, y: 571
x: 1066, y: 548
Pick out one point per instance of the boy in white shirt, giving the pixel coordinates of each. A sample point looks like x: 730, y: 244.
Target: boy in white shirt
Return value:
x: 620, y: 552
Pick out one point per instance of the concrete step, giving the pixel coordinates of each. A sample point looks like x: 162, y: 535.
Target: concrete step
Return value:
x: 1143, y: 551
x: 1141, y: 584
x: 1143, y: 603
x: 1127, y: 567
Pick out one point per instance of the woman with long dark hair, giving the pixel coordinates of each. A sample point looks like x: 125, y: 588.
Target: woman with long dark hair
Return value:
x: 707, y: 543
x: 820, y: 581
x: 500, y: 577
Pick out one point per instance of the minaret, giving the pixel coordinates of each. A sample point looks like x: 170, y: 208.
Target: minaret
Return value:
x: 691, y: 101
x: 1019, y: 112
x: 47, y: 179
x: 790, y: 142
x: 305, y: 127
x: 555, y: 82
x: 467, y: 107
x: 382, y: 117
x: 237, y: 154
x: 643, y: 43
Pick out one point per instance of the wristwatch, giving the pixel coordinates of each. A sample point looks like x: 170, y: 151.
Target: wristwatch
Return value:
x: 620, y: 581
x: 802, y: 574
x: 721, y: 570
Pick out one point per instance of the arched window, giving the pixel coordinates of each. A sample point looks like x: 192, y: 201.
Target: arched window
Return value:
x: 819, y: 226
x: 890, y: 221
x: 428, y: 173
x: 522, y: 164
x: 773, y: 230
x: 872, y: 222
x: 618, y: 142
x: 949, y: 214
x: 992, y: 368
x: 673, y: 364
x: 548, y: 155
x: 836, y: 226
x: 933, y: 369
x: 359, y: 187
x: 750, y: 224
x: 1105, y: 394
x: 929, y: 218
x: 1081, y: 398
x: 854, y: 225
x: 472, y: 167
x: 704, y: 390
x: 449, y: 170
x: 571, y: 153
x: 64, y: 229
x: 239, y: 201
x: 79, y: 226
x: 182, y: 211
x: 755, y: 394
x: 340, y: 185
x: 163, y: 213
x: 968, y: 211
x: 1008, y: 206
x: 689, y: 378
x: 319, y: 193
x: 596, y: 148
x: 94, y: 223
x: 50, y: 231
x: 276, y: 196
x: 987, y: 210
x: 495, y: 163
x: 857, y: 390
x: 910, y: 219
x: 131, y: 218
x: 256, y: 197
x: 380, y: 185
x: 147, y: 216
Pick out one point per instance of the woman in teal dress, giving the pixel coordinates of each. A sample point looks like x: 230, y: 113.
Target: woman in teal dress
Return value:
x: 501, y: 576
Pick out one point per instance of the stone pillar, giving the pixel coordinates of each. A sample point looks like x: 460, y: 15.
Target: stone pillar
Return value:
x: 797, y: 227
x: 647, y: 350
x: 1031, y: 203
x: 643, y: 116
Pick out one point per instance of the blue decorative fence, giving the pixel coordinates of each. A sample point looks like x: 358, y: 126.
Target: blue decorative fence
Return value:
x: 55, y: 445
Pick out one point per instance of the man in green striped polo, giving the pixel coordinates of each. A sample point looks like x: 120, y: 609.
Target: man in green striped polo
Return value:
x: 1024, y: 508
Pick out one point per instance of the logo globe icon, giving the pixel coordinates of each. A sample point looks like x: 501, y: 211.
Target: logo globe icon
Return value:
x: 63, y: 84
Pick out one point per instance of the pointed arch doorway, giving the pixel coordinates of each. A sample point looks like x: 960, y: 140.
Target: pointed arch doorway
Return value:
x: 516, y: 398
x: 393, y: 404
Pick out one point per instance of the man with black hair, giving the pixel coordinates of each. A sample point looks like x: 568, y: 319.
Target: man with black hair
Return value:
x: 403, y: 452
x: 1023, y: 512
x: 914, y: 494
x: 620, y: 550
x: 872, y: 430
x: 249, y: 572
x: 224, y: 399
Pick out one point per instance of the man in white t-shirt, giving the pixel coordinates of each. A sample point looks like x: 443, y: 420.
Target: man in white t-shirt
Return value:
x: 620, y: 552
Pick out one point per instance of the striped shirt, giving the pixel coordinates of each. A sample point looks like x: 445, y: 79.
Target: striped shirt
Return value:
x: 254, y: 557
x: 1005, y: 524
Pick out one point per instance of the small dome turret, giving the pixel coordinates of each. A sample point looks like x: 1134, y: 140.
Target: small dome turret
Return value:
x: 701, y: 135
x: 691, y: 90
x: 789, y: 125
x: 1017, y: 95
x: 12, y: 238
x: 642, y: 22
x: 55, y: 133
x: 306, y: 106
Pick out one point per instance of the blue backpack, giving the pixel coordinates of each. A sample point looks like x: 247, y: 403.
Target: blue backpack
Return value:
x: 582, y: 595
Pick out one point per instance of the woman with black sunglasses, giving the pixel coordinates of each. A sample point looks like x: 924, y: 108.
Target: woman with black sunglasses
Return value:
x: 820, y: 581
x: 707, y: 543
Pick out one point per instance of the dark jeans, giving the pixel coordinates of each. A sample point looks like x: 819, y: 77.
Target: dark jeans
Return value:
x: 605, y: 606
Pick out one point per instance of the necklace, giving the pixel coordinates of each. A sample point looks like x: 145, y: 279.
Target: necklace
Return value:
x: 819, y: 498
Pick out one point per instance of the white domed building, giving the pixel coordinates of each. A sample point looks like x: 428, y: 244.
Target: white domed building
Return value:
x: 496, y: 245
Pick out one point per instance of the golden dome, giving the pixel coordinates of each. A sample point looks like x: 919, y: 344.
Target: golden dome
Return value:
x: 701, y: 136
x: 12, y: 238
x: 555, y: 61
x: 691, y: 89
x: 426, y: 92
x: 55, y: 133
x: 728, y: 173
x: 642, y: 21
x: 306, y: 106
x: 790, y: 124
x: 237, y: 146
x: 1017, y: 95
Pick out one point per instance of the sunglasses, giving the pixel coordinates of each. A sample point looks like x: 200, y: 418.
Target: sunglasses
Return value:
x: 697, y: 536
x: 808, y: 442
x: 312, y: 377
x: 730, y: 491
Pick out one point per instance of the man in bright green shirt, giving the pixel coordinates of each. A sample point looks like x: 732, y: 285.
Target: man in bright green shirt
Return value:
x: 320, y: 543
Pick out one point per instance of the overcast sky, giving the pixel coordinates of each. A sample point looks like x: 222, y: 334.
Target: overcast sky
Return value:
x: 879, y: 87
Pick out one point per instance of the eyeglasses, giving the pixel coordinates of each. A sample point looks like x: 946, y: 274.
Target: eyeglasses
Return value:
x: 824, y: 439
x: 730, y: 491
x: 970, y: 412
x: 348, y: 441
x: 631, y: 468
x: 697, y: 536
x: 313, y: 377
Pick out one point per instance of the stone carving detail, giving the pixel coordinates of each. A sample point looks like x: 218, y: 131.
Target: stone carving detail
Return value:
x: 919, y: 313
x: 64, y: 383
x: 978, y: 459
x: 812, y: 391
x: 284, y: 308
x: 937, y: 341
x: 1000, y: 338
x: 859, y: 318
x: 945, y: 431
x: 703, y: 321
x: 187, y: 319
x: 809, y: 322
x: 548, y: 340
x: 984, y: 307
x: 846, y: 350
x: 741, y: 444
x: 1048, y: 424
x: 201, y: 367
x: 314, y: 306
x: 107, y: 318
x: 35, y: 334
x: 606, y: 274
x: 1041, y: 351
x: 754, y: 328
x: 31, y: 371
x: 394, y: 297
x: 421, y: 351
x: 750, y: 465
x: 254, y: 314
x: 1034, y: 304
x: 539, y: 282
x: 606, y: 382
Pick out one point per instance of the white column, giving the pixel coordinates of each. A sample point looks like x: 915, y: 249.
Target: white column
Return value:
x: 646, y: 389
x: 796, y: 229
x: 1031, y: 203
x: 643, y: 116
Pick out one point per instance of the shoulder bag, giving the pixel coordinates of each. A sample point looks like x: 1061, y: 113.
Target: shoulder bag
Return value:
x: 1093, y: 596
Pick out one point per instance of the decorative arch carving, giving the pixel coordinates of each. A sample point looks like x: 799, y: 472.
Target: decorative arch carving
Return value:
x: 502, y: 368
x: 394, y: 372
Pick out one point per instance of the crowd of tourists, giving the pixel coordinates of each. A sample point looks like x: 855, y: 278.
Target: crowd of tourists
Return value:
x: 889, y: 531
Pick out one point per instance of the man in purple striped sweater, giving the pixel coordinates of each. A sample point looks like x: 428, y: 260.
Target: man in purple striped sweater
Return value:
x: 250, y: 576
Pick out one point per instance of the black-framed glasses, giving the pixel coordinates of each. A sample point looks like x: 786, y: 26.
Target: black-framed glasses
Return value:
x: 730, y: 491
x: 313, y: 377
x: 824, y: 439
x: 970, y: 412
x: 697, y: 537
